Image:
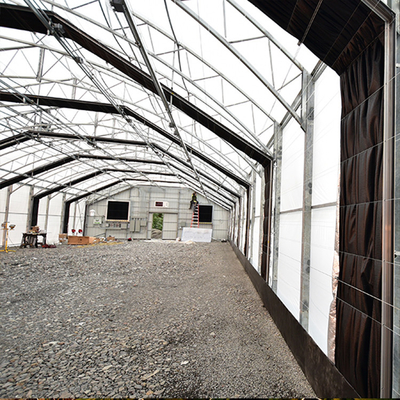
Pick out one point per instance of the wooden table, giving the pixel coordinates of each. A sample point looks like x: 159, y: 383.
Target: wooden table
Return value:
x: 31, y: 239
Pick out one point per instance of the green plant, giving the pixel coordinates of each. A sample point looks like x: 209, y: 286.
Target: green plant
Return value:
x: 158, y: 221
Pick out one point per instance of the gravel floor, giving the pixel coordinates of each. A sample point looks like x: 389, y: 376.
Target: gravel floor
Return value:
x: 138, y: 319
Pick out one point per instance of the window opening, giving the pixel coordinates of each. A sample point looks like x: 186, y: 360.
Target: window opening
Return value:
x: 118, y: 211
x: 205, y: 214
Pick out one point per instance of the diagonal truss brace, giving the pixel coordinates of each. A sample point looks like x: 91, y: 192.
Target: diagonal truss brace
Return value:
x: 240, y: 57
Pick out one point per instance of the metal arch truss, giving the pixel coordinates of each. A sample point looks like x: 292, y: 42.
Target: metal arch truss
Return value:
x: 62, y: 29
x: 242, y: 59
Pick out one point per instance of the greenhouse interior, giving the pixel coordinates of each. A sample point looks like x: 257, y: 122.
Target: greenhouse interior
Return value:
x: 280, y: 117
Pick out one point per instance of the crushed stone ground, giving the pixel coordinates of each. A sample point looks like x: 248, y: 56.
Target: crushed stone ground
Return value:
x: 138, y: 319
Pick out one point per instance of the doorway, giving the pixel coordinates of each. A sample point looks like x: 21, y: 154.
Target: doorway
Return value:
x: 157, y: 226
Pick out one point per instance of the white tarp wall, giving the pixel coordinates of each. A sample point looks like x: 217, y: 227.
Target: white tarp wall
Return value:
x: 18, y: 213
x: 49, y: 216
x: 255, y: 238
x: 325, y: 167
x: 290, y: 229
x: 326, y: 157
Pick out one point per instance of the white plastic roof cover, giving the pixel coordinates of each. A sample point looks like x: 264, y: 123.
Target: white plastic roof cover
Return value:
x: 223, y: 56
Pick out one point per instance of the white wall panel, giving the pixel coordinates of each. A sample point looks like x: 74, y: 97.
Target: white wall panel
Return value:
x: 326, y: 155
x: 289, y: 261
x: 56, y: 205
x: 256, y: 228
x: 255, y: 254
x: 142, y: 206
x: 18, y: 213
x: 170, y: 226
x: 20, y: 199
x: 53, y: 229
x: 322, y: 251
x: 292, y: 167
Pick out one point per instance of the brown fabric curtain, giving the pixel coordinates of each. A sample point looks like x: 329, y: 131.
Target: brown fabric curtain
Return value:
x: 358, y: 312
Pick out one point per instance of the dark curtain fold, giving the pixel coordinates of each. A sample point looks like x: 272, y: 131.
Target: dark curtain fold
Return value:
x: 358, y: 334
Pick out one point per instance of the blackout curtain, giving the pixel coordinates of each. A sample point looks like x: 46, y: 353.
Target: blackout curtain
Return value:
x: 358, y: 334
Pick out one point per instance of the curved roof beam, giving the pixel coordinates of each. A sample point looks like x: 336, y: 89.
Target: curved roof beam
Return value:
x: 212, y: 148
x: 177, y: 71
x: 66, y: 160
x: 66, y: 185
x: 36, y: 171
x: 26, y: 99
x: 23, y: 18
x: 227, y: 160
x: 217, y: 72
x: 241, y: 58
x: 107, y: 108
x: 120, y: 6
x: 136, y: 143
x: 218, y: 103
x: 181, y: 45
x: 266, y: 33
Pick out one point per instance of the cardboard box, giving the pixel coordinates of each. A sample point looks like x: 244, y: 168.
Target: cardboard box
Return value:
x: 62, y: 237
x: 80, y: 239
x: 111, y: 239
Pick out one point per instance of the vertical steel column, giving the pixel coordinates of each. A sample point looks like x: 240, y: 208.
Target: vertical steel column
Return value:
x: 34, y: 211
x: 308, y: 126
x: 64, y: 215
x: 30, y: 206
x: 253, y: 218
x: 265, y: 226
x: 239, y: 221
x: 247, y: 222
x: 233, y: 229
x: 179, y: 212
x: 387, y: 215
x: 74, y: 220
x: 278, y: 179
x: 46, y: 221
x: 6, y: 214
x: 395, y: 5
x: 396, y: 293
x: 85, y: 219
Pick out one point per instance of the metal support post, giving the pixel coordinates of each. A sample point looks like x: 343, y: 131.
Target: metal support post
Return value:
x: 64, y: 216
x: 253, y: 218
x: 85, y: 219
x: 29, y: 216
x: 74, y: 220
x: 247, y: 223
x: 308, y: 125
x: 278, y: 179
x: 388, y: 215
x: 239, y: 221
x: 395, y: 5
x: 396, y: 278
x: 46, y: 221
